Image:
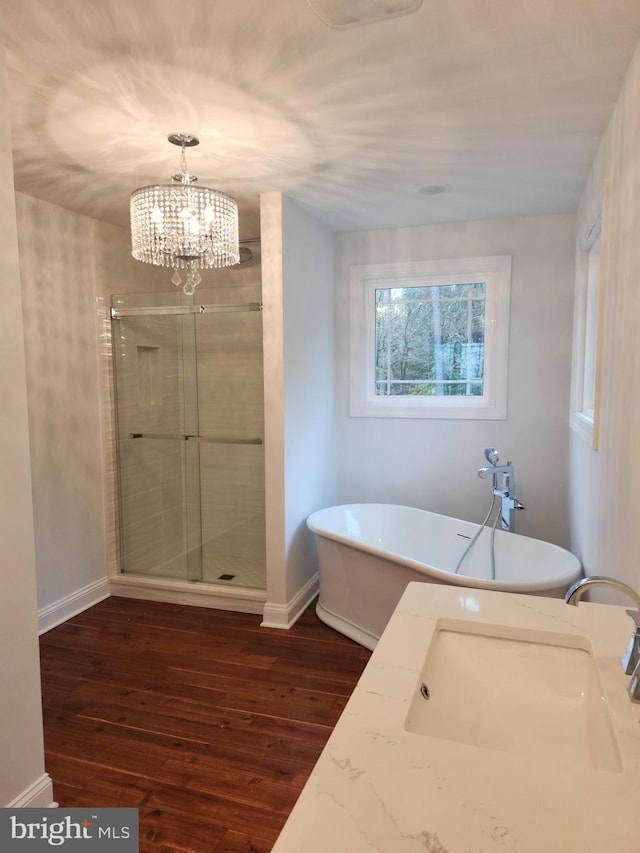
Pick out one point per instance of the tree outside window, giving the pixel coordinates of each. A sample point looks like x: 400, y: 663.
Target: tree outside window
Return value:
x: 430, y: 340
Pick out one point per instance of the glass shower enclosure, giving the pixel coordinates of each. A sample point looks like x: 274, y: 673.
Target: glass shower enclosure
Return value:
x: 188, y: 388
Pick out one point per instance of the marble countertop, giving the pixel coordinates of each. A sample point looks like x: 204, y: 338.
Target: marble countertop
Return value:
x: 379, y: 787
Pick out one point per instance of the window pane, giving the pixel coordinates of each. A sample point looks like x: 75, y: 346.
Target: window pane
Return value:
x: 430, y: 340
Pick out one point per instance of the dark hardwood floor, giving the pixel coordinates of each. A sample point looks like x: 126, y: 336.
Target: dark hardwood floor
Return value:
x: 207, y: 723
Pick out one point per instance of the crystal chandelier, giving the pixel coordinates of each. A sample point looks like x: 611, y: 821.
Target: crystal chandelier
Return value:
x: 182, y: 226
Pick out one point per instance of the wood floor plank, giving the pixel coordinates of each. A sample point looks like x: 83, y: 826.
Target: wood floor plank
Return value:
x: 176, y: 832
x: 241, y: 842
x: 215, y: 807
x: 237, y: 784
x: 76, y: 772
x: 207, y: 723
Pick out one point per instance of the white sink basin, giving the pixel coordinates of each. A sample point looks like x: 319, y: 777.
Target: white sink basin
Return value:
x: 516, y: 690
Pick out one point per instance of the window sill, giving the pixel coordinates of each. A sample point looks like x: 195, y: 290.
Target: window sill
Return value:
x: 463, y: 408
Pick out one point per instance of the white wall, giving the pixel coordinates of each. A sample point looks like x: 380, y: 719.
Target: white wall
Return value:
x: 58, y: 292
x: 433, y: 464
x: 22, y: 776
x: 604, y: 483
x: 310, y: 448
x: 298, y: 298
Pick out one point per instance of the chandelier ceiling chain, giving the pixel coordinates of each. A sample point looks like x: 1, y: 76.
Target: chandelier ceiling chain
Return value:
x: 183, y: 165
x: 183, y: 140
x: 182, y: 226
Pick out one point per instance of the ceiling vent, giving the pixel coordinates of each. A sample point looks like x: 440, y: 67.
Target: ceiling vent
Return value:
x: 342, y: 14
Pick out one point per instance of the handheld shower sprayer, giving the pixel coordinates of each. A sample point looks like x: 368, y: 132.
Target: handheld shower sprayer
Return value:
x: 491, y: 455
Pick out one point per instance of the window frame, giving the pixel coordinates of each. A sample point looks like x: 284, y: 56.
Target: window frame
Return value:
x: 588, y: 336
x: 365, y: 279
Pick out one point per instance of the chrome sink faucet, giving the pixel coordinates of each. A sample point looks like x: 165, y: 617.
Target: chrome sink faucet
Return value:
x: 631, y: 658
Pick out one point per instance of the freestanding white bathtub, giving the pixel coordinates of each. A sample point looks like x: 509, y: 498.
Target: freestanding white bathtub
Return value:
x: 368, y: 553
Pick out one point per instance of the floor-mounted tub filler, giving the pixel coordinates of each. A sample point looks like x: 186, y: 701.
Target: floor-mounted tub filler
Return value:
x: 368, y: 553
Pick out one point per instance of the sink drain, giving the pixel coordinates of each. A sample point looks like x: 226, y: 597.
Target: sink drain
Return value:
x: 424, y: 691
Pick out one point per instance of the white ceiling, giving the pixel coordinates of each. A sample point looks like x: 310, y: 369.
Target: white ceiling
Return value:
x: 503, y: 102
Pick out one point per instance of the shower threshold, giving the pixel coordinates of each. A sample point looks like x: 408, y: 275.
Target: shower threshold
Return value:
x: 221, y: 596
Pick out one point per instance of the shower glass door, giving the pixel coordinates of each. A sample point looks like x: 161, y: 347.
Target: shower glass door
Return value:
x: 231, y: 422
x: 189, y: 403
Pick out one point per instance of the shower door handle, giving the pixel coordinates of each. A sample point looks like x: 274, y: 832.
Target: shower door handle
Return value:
x: 158, y: 435
x: 222, y: 440
x: 199, y: 438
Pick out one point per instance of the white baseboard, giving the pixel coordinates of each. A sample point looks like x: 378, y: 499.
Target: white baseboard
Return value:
x: 63, y: 609
x: 37, y: 796
x: 286, y: 615
x: 203, y: 595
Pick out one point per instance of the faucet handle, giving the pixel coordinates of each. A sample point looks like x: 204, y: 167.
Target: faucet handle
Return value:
x: 634, y: 615
x: 631, y: 657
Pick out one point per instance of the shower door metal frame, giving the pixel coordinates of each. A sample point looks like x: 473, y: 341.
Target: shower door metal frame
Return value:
x: 169, y: 310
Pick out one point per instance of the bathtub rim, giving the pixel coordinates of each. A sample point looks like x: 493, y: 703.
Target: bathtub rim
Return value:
x: 555, y: 585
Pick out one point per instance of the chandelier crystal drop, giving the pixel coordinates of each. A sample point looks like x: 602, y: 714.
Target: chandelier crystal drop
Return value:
x: 182, y: 226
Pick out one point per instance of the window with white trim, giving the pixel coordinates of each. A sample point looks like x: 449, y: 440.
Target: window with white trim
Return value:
x: 430, y: 339
x: 587, y: 335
